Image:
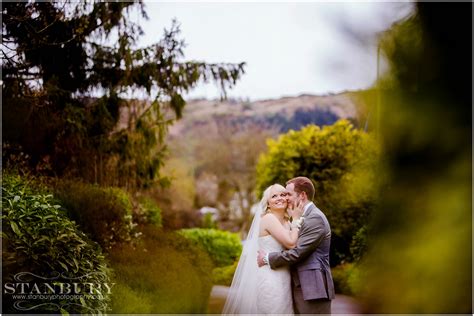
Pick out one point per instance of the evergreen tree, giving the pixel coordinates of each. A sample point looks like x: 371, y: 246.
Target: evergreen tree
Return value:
x: 58, y: 57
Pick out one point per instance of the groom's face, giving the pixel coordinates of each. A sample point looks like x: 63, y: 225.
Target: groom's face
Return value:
x: 292, y: 196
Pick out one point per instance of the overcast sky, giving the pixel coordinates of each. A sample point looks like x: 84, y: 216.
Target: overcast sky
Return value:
x: 289, y: 48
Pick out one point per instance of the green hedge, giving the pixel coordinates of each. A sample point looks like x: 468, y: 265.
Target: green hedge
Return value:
x: 103, y: 213
x: 223, y: 247
x: 39, y: 238
x: 163, y: 273
x: 224, y: 275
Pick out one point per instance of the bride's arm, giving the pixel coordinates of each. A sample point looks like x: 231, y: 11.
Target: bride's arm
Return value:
x: 287, y: 227
x: 284, y: 236
x: 311, y: 236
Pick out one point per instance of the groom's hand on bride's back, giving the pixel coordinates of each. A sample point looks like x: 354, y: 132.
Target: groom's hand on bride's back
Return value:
x: 260, y: 255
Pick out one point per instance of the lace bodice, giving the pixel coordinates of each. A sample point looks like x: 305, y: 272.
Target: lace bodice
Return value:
x: 269, y: 244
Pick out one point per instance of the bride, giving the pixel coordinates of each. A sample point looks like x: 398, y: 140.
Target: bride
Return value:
x: 263, y: 290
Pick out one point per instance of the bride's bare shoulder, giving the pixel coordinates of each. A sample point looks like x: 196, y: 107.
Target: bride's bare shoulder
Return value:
x: 268, y: 217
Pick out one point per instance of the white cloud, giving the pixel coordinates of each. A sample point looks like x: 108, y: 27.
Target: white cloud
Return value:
x: 290, y: 48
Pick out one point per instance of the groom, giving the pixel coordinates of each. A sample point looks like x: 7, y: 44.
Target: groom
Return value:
x: 313, y: 288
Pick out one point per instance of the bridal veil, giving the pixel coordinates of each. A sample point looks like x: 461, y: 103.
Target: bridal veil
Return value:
x: 242, y: 297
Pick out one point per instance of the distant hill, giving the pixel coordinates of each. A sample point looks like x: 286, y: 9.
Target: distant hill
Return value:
x: 284, y: 113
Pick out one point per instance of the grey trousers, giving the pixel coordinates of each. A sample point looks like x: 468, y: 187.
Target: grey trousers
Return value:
x: 322, y: 306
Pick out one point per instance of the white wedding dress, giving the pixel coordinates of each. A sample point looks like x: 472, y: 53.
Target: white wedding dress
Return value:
x: 274, y: 285
x: 257, y: 290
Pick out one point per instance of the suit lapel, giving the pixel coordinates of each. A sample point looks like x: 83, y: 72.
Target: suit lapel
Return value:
x: 306, y: 214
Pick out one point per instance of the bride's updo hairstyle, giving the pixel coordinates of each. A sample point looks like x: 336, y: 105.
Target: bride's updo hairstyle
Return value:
x: 266, y: 197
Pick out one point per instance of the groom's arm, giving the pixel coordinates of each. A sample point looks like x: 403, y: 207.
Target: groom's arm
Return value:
x: 311, y: 236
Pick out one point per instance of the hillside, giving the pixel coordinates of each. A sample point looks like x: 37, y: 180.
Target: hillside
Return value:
x: 284, y: 113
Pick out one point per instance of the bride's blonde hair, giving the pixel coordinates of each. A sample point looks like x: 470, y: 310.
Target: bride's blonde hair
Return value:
x: 266, y: 197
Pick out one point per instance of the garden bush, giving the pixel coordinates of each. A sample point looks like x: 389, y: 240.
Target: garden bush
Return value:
x: 341, y: 160
x: 147, y: 212
x: 208, y: 222
x: 162, y: 273
x: 346, y: 279
x: 103, y: 213
x: 224, y: 275
x: 39, y: 239
x: 223, y: 247
x: 359, y: 243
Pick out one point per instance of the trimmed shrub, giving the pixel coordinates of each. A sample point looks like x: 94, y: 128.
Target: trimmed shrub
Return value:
x: 223, y: 247
x: 163, y: 273
x: 224, y: 275
x: 103, y: 213
x: 40, y: 241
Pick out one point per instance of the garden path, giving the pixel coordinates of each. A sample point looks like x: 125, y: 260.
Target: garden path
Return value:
x: 343, y: 304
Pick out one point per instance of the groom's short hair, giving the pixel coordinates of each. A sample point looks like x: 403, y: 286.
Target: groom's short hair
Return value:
x: 303, y: 184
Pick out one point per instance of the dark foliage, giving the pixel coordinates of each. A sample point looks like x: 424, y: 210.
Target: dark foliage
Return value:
x: 58, y: 56
x: 40, y: 241
x: 423, y: 227
x: 105, y: 214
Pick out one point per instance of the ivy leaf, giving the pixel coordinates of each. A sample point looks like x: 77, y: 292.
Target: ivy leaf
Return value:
x: 76, y: 263
x: 63, y: 265
x: 15, y: 228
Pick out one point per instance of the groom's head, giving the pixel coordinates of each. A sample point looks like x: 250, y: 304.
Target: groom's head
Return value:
x: 300, y: 188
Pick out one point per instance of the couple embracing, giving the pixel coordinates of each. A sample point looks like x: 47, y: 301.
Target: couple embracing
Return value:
x: 284, y: 266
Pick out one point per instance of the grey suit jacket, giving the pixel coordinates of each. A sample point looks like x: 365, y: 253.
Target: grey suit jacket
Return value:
x: 309, y: 260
